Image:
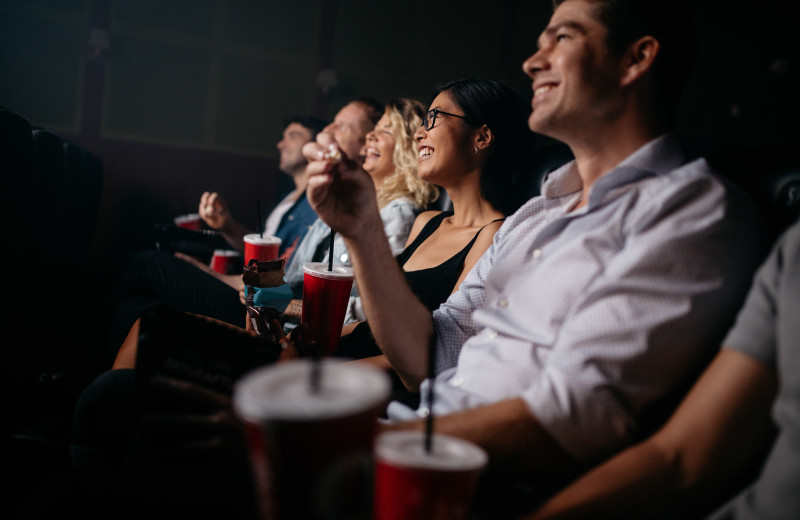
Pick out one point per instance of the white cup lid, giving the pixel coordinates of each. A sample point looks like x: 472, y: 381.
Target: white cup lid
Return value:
x: 320, y: 270
x: 283, y: 391
x: 407, y: 449
x: 226, y: 252
x: 255, y: 238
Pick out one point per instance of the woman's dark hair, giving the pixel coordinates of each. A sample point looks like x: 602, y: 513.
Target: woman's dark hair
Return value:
x: 505, y: 180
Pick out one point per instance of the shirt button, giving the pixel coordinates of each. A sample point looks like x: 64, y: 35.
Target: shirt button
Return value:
x: 537, y: 253
x: 343, y: 258
x: 492, y: 334
x: 291, y: 217
x: 502, y: 302
x: 423, y: 411
x: 457, y: 381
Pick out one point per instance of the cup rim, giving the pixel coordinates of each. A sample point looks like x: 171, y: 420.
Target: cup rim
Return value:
x: 256, y: 400
x: 320, y: 270
x: 451, y: 453
x: 188, y: 217
x: 226, y: 252
x: 256, y: 238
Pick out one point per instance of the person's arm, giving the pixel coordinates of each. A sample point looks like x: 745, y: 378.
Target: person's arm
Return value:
x: 215, y: 212
x: 233, y: 280
x: 516, y: 443
x: 343, y: 195
x: 721, y: 425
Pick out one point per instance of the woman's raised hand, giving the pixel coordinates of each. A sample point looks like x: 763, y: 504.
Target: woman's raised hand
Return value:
x: 339, y: 190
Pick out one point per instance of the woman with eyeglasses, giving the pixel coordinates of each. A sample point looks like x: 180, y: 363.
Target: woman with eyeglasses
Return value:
x: 475, y: 143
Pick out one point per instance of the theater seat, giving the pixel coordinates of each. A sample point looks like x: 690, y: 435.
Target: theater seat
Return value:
x: 771, y: 175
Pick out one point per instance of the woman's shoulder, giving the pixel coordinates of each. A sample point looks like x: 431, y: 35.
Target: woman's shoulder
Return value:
x: 420, y: 222
x: 426, y: 216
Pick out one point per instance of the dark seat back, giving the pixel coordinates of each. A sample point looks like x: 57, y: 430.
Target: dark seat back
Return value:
x: 16, y: 163
x: 771, y: 176
x: 82, y: 189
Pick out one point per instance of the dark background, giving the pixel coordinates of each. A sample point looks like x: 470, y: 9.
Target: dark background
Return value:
x: 181, y: 96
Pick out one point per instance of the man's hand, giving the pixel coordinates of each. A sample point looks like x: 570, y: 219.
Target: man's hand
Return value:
x: 214, y: 210
x: 339, y: 190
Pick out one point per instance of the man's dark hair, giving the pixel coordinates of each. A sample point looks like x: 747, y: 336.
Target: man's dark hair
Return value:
x: 314, y: 124
x: 668, y: 21
x: 373, y: 107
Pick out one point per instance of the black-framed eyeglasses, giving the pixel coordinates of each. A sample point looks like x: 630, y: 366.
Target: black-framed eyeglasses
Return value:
x: 430, y: 117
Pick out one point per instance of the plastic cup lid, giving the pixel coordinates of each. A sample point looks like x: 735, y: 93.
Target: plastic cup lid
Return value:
x: 320, y: 270
x: 407, y: 449
x: 226, y: 252
x: 283, y: 391
x: 255, y: 238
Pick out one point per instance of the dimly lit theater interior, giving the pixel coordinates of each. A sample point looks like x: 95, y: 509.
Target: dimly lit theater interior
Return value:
x: 117, y: 115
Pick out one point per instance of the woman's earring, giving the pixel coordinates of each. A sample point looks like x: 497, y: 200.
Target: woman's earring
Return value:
x: 476, y: 151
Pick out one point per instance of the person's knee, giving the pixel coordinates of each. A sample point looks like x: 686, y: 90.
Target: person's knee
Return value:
x: 103, y: 413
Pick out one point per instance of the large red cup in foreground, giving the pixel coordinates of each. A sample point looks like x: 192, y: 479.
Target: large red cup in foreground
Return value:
x: 325, y: 297
x: 311, y: 453
x: 411, y: 483
x: 262, y: 248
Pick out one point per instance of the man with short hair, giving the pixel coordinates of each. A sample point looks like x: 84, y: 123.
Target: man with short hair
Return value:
x: 187, y: 284
x: 292, y: 216
x: 601, y: 299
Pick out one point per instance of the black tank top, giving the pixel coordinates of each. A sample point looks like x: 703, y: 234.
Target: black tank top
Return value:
x: 432, y: 286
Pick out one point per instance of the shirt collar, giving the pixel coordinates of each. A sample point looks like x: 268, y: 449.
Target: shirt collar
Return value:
x: 661, y: 155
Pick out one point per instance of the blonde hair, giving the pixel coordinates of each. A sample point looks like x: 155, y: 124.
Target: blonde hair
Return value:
x: 405, y: 116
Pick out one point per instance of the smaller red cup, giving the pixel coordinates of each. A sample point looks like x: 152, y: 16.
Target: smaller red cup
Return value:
x: 189, y: 221
x: 325, y: 297
x: 411, y: 483
x: 262, y: 248
x: 224, y: 260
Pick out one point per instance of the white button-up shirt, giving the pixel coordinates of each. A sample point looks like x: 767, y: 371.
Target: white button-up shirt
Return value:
x: 594, y: 316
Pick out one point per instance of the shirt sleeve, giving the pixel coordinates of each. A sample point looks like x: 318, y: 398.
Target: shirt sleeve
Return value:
x: 398, y: 217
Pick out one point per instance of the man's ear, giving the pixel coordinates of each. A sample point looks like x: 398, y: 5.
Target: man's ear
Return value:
x: 639, y: 59
x: 483, y: 138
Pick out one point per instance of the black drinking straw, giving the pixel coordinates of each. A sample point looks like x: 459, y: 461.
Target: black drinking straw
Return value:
x: 260, y: 223
x: 330, y: 250
x: 429, y: 418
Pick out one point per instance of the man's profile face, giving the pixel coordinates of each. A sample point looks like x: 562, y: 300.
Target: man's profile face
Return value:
x: 349, y: 128
x: 290, y: 147
x: 575, y: 80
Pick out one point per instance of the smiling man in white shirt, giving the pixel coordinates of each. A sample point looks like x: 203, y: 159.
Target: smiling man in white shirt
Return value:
x: 601, y: 299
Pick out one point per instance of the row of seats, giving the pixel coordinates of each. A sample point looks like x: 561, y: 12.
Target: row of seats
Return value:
x: 52, y: 192
x: 53, y: 188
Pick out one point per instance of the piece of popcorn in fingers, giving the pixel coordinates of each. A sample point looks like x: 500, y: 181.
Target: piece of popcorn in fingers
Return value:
x: 333, y: 155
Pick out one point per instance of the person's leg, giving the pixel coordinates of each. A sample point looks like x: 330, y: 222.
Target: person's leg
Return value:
x: 103, y: 421
x: 158, y: 277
